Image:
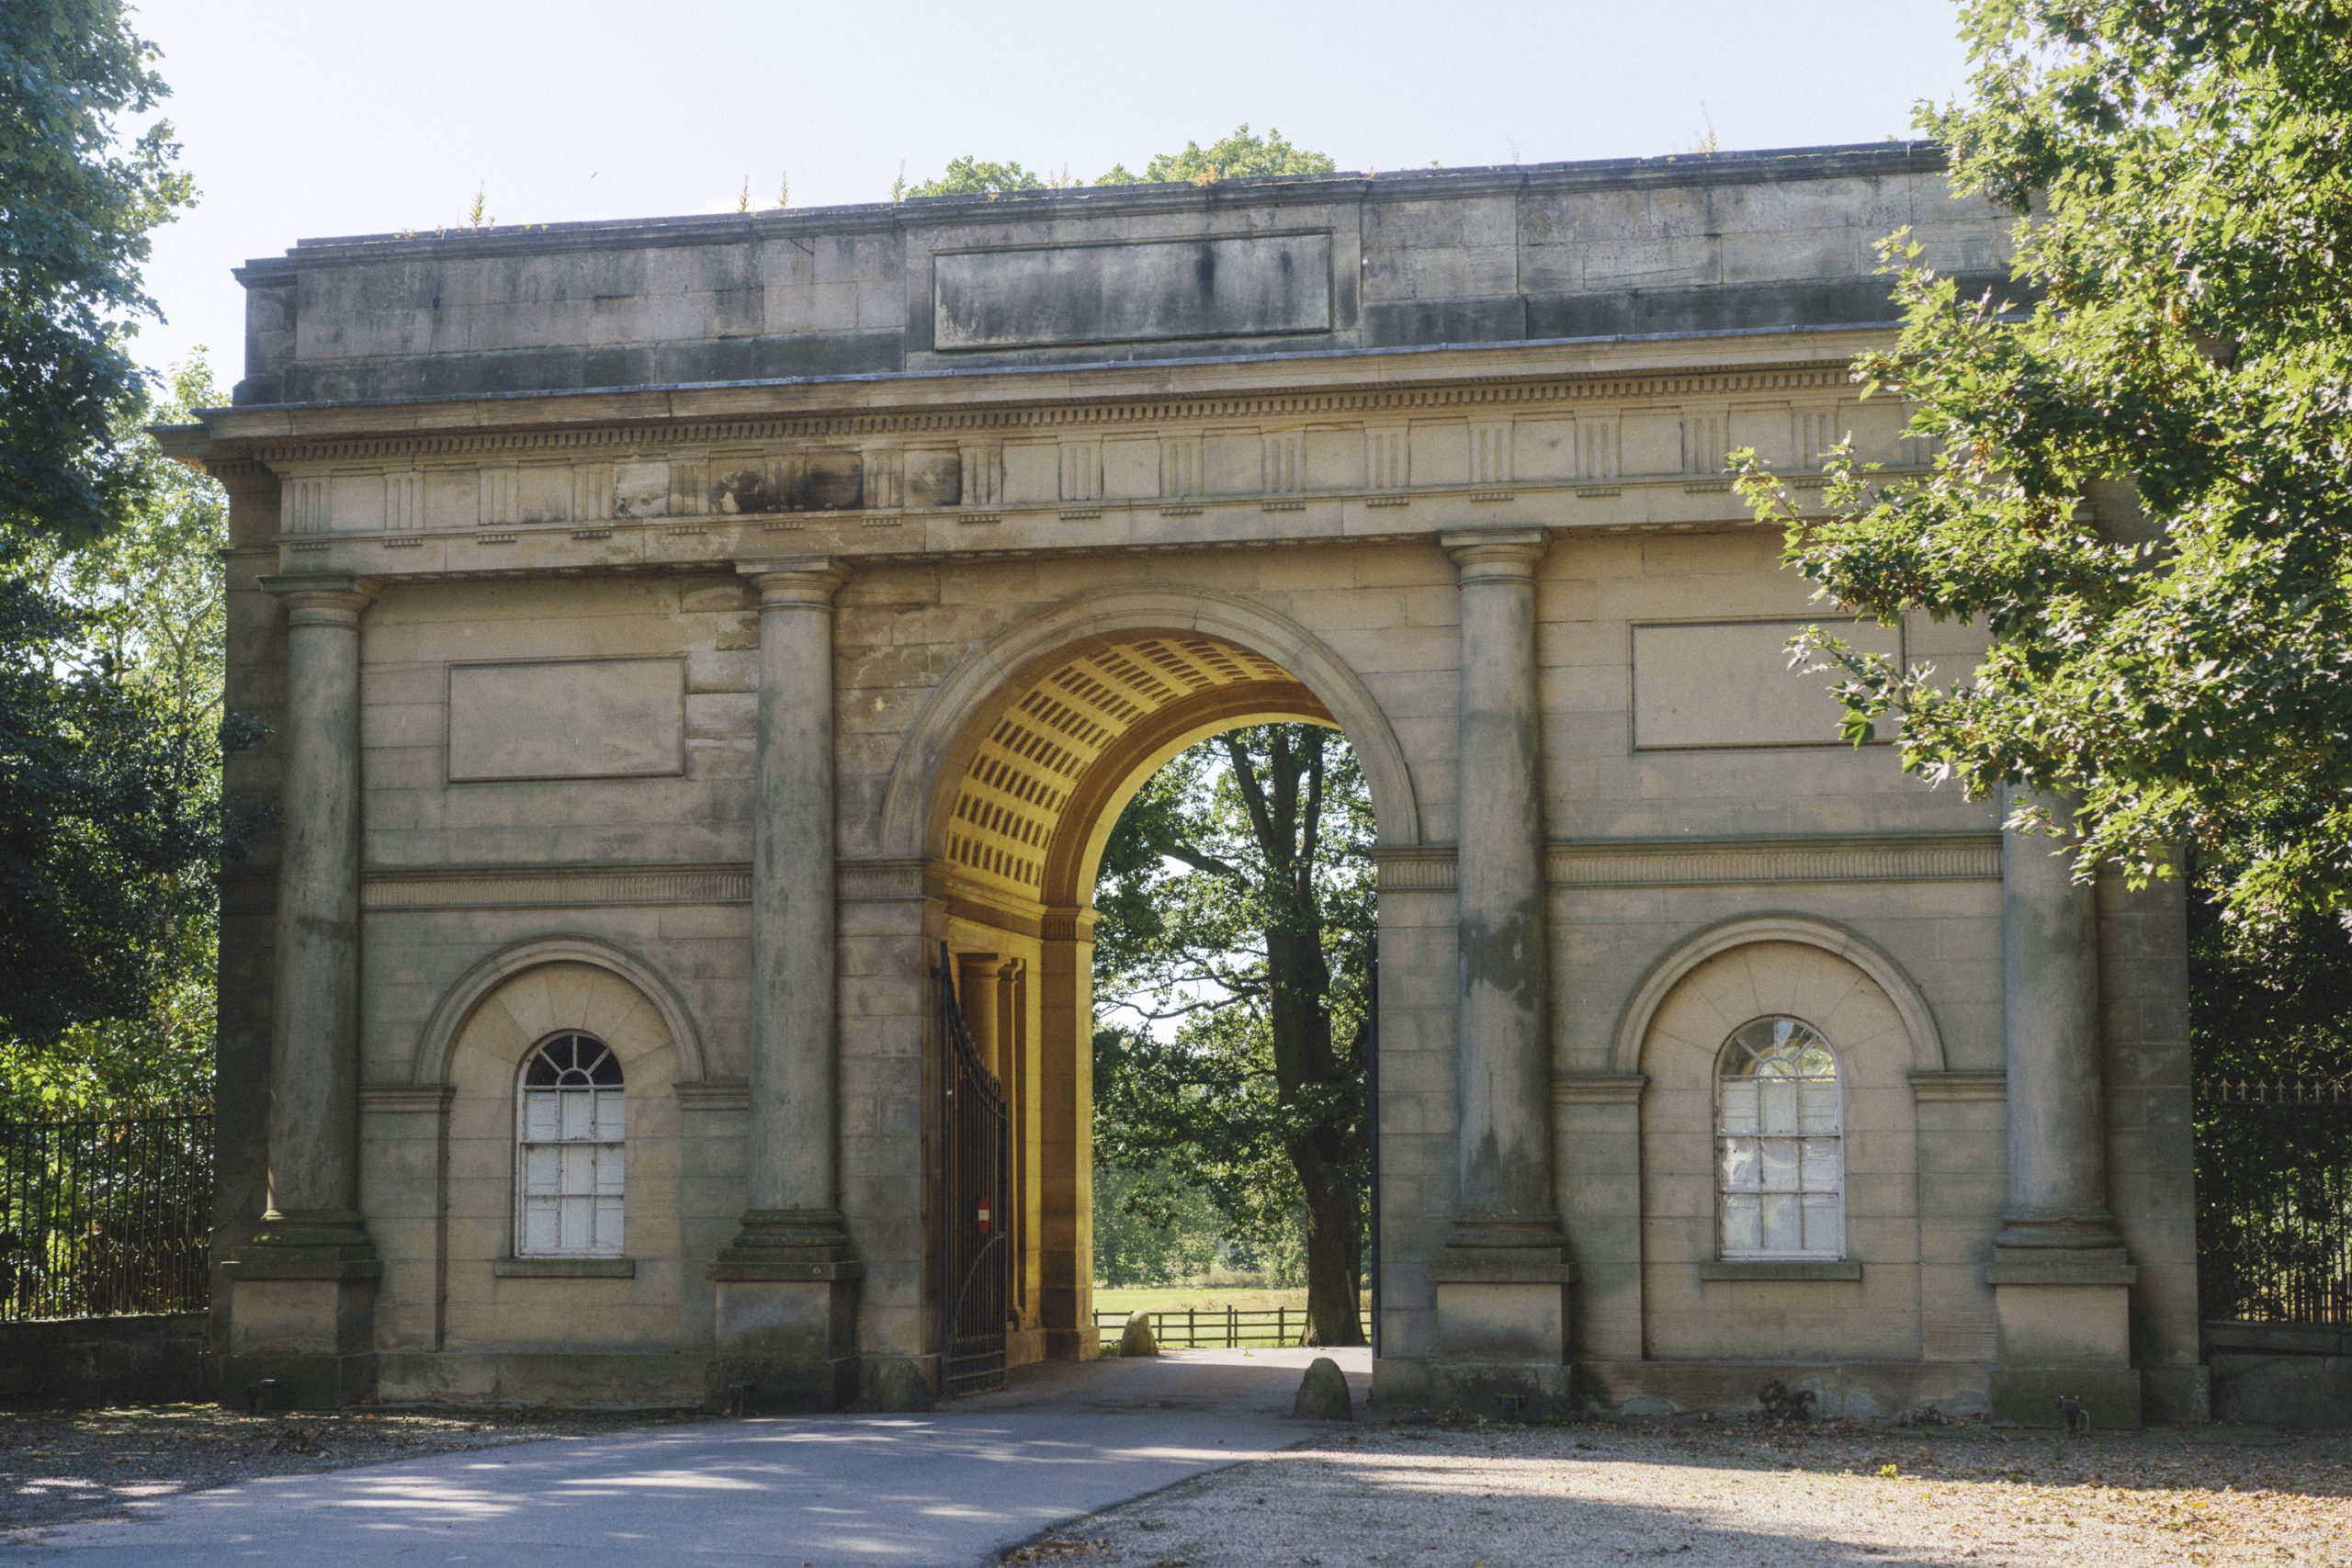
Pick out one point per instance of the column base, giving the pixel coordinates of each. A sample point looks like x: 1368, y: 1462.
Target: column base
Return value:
x: 786, y: 1297
x: 2065, y: 1335
x: 301, y: 1315
x: 1502, y: 1307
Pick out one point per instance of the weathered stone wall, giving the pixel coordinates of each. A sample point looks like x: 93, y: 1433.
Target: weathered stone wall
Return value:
x: 585, y: 484
x: 1723, y: 242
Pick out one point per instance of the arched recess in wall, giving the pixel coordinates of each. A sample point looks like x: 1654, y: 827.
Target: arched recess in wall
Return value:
x: 1641, y: 1008
x: 440, y: 1036
x: 1142, y: 673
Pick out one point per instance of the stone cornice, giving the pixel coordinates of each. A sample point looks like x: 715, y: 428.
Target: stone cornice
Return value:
x: 1624, y: 862
x: 1043, y: 399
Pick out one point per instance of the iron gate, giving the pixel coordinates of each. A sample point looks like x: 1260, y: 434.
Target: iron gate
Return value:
x: 974, y: 1271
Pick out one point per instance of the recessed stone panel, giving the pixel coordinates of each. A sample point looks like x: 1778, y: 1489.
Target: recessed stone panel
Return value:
x: 573, y: 718
x: 1715, y: 684
x: 1245, y: 286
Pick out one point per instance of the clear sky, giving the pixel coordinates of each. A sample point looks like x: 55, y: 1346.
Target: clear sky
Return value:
x: 305, y: 118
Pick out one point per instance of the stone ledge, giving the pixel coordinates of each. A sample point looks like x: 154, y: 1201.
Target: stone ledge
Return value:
x: 1598, y: 1088
x: 564, y: 1268
x: 1781, y: 1269
x: 1959, y: 1085
x: 2061, y: 1270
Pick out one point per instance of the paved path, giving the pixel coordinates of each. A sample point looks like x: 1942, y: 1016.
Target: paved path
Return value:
x: 952, y: 1488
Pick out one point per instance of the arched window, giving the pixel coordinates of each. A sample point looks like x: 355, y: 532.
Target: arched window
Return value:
x: 1780, y: 1144
x: 568, y: 1151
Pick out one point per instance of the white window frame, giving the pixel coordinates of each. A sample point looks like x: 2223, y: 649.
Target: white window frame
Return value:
x: 570, y: 1151
x: 1780, y: 1155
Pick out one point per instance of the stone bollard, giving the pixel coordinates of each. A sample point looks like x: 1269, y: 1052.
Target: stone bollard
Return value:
x: 1136, y: 1339
x: 1323, y: 1394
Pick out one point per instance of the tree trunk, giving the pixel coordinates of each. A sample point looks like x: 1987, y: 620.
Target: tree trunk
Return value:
x: 1307, y: 1070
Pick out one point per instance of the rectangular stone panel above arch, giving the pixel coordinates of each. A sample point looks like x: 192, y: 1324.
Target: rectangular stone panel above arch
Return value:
x: 1245, y: 286
x: 567, y: 718
x: 1722, y: 684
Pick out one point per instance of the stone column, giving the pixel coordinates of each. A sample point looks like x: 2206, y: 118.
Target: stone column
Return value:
x: 1503, y: 1283
x: 303, y: 1293
x: 1065, y: 1135
x: 2061, y: 1276
x: 979, y: 995
x: 786, y: 1288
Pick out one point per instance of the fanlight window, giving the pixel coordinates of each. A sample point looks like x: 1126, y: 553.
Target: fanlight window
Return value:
x: 569, y: 1151
x: 1780, y: 1136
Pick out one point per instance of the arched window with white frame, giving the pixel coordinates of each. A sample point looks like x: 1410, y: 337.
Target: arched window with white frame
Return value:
x: 1780, y: 1144
x: 569, y: 1150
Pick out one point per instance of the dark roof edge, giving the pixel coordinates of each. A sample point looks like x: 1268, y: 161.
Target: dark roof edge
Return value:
x: 1672, y: 169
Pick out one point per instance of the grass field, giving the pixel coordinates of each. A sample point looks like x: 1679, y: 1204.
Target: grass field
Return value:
x: 1208, y: 1298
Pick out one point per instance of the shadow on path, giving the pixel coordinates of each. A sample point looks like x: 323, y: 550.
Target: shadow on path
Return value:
x: 954, y: 1486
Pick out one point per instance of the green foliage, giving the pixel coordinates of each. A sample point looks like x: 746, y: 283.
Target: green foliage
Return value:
x: 976, y: 177
x: 2269, y: 1004
x: 1150, y: 1228
x: 1235, y: 914
x: 76, y: 203
x: 2182, y: 667
x: 1239, y: 156
x: 111, y: 824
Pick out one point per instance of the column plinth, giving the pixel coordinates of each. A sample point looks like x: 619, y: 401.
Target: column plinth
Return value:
x: 787, y: 1300
x: 1502, y: 1282
x: 302, y: 1291
x: 2061, y: 1279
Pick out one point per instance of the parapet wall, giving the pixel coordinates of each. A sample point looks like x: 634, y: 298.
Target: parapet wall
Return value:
x: 1713, y: 243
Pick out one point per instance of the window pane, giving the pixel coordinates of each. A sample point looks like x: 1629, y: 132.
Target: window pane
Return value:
x: 1739, y: 1105
x: 540, y: 1172
x: 1818, y: 1165
x: 1740, y: 1167
x: 1779, y: 1098
x: 1743, y: 1224
x: 578, y: 1229
x: 577, y: 1109
x: 609, y: 1225
x: 1817, y: 1105
x: 539, y: 1113
x: 1779, y: 1164
x: 608, y: 1170
x: 1784, y: 1231
x: 1825, y: 1223
x: 608, y: 1115
x: 538, y: 1226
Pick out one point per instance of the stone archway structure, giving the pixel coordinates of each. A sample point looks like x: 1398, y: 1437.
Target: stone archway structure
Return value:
x: 744, y: 608
x: 1007, y: 787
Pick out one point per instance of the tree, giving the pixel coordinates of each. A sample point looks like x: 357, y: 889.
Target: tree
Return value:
x: 76, y: 203
x: 1236, y: 913
x: 111, y: 823
x: 2179, y: 661
x: 975, y: 176
x: 1239, y: 156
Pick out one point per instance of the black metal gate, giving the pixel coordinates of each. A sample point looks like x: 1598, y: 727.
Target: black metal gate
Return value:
x: 2274, y: 1201
x: 974, y: 1271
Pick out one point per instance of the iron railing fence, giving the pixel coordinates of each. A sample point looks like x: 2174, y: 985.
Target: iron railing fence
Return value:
x: 105, y: 1216
x: 2274, y: 1201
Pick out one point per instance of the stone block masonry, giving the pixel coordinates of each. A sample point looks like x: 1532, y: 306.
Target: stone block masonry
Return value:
x: 675, y: 633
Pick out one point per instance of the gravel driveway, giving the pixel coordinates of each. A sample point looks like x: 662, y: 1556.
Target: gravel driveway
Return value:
x: 1703, y: 1495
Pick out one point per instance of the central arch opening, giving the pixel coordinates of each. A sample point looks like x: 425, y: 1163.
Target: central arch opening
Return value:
x: 1027, y: 806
